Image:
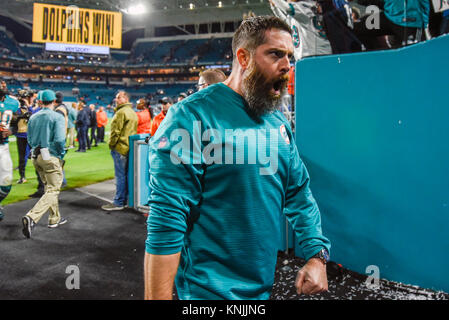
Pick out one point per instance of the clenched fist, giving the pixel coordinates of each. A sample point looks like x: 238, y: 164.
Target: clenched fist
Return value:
x: 312, y: 278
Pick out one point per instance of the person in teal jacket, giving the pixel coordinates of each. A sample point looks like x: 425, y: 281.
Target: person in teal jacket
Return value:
x: 8, y: 106
x: 224, y: 170
x: 46, y: 137
x: 403, y: 19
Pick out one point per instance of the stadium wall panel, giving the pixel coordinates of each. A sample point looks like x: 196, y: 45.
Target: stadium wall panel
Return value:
x: 372, y: 129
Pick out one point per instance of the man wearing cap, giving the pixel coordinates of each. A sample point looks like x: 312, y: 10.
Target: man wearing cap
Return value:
x: 166, y: 104
x: 46, y: 136
x: 8, y: 106
x: 182, y: 96
x: 123, y: 125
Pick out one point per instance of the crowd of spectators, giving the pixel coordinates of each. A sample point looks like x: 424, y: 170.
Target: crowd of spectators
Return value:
x: 343, y: 26
x: 85, y: 126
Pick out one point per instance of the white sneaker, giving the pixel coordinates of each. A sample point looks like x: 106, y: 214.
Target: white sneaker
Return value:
x: 61, y: 222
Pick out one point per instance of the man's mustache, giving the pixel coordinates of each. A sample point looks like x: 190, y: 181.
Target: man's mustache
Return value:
x: 280, y: 82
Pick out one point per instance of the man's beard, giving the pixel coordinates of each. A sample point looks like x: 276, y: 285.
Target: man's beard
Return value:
x: 257, y: 91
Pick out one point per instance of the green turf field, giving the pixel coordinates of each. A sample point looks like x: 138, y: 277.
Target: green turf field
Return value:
x: 81, y: 169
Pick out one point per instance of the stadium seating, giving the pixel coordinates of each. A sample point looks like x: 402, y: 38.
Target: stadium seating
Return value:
x: 8, y: 45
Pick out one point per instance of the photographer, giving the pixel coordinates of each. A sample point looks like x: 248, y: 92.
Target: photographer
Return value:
x: 20, y: 127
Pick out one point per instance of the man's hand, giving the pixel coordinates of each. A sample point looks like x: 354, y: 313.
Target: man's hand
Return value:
x: 5, y: 132
x: 312, y: 278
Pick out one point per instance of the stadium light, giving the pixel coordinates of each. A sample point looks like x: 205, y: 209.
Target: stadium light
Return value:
x: 220, y: 4
x: 136, y: 9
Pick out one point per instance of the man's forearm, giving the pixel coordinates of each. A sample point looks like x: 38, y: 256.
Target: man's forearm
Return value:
x: 159, y: 273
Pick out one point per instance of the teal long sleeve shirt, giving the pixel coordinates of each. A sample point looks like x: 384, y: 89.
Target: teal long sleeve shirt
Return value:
x: 46, y: 129
x: 220, y: 181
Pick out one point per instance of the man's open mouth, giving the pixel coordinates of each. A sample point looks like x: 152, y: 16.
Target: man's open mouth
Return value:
x: 278, y: 86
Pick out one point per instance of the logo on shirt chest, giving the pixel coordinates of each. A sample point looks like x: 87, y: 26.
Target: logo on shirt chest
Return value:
x: 284, y: 134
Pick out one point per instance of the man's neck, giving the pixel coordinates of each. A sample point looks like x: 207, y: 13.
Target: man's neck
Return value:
x: 234, y: 81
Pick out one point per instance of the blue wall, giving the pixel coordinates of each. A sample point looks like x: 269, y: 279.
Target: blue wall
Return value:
x: 373, y: 130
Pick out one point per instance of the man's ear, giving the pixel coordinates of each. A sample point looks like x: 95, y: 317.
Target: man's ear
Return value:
x: 243, y: 57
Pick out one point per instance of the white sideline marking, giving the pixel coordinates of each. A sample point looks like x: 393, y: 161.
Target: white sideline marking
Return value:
x: 95, y: 195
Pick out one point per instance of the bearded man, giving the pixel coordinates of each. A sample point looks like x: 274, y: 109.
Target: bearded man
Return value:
x: 214, y: 226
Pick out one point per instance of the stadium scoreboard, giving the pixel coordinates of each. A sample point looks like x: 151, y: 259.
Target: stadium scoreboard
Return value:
x: 76, y: 26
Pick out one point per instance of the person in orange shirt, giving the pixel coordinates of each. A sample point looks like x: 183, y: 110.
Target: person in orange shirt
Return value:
x: 166, y: 104
x: 102, y: 121
x: 143, y: 116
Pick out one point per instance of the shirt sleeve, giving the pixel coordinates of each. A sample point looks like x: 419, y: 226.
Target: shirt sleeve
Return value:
x: 175, y: 182
x: 302, y: 210
x: 59, y: 135
x: 116, y: 129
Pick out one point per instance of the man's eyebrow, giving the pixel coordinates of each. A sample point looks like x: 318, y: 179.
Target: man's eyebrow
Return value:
x: 288, y: 52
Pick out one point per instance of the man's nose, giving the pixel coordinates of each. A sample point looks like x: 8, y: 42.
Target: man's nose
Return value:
x: 285, y: 64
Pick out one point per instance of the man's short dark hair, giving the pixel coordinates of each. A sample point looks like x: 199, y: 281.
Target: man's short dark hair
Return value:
x: 251, y: 32
x: 59, y: 97
x: 3, y: 94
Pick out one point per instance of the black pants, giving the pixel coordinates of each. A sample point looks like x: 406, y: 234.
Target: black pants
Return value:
x: 369, y: 36
x: 92, y: 137
x: 22, y: 144
x: 340, y: 36
x: 83, y: 139
x: 100, y: 134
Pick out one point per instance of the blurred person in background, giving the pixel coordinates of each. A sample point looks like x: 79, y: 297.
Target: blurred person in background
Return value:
x: 307, y: 22
x: 26, y: 100
x: 102, y: 121
x: 46, y: 136
x: 4, y: 86
x: 144, y: 116
x: 404, y: 20
x: 166, y: 104
x: 93, y: 127
x: 209, y: 77
x: 182, y: 96
x: 40, y: 185
x: 8, y: 106
x: 71, y: 125
x: 82, y: 125
x: 123, y: 125
x: 61, y: 108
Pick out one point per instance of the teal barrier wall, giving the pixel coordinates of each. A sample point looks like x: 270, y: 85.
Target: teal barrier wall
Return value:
x: 373, y: 130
